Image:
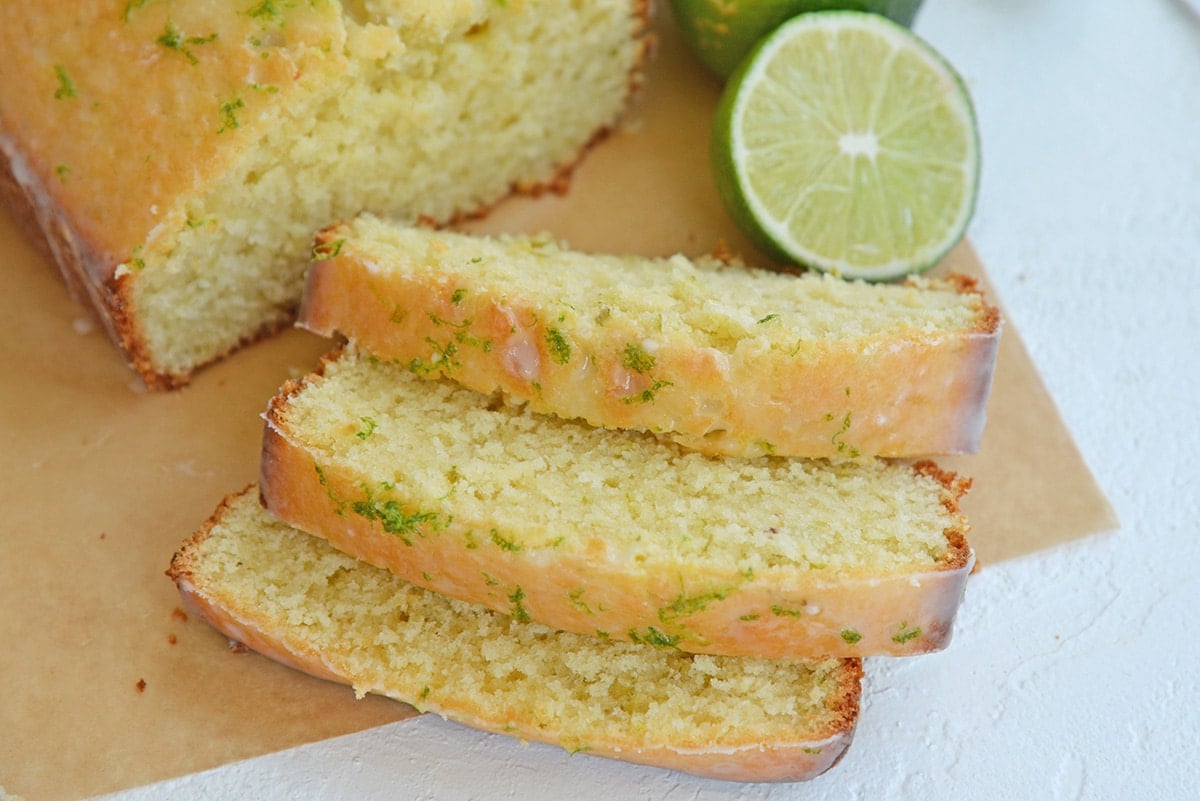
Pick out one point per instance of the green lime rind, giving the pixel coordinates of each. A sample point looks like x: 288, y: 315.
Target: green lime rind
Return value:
x: 722, y: 32
x: 762, y: 228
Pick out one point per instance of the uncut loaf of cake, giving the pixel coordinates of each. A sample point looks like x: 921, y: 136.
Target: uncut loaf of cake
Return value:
x: 614, y: 533
x: 175, y: 157
x: 295, y: 599
x: 722, y: 358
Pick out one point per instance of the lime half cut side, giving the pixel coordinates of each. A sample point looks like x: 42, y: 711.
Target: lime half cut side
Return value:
x: 847, y: 144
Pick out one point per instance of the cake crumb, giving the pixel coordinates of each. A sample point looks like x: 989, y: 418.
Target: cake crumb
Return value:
x: 179, y: 614
x: 141, y: 686
x: 172, y: 639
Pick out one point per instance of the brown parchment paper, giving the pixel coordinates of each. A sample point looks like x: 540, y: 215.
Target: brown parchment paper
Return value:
x: 105, y: 685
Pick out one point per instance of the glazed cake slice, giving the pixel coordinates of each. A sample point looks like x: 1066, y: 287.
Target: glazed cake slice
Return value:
x: 295, y: 599
x: 175, y: 158
x: 613, y: 533
x: 721, y: 358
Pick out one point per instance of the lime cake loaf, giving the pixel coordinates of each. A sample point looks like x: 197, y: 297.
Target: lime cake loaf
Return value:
x: 613, y: 533
x: 295, y: 599
x: 722, y: 358
x: 175, y: 157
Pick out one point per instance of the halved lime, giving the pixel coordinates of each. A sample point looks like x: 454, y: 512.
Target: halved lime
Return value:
x: 722, y: 32
x: 846, y: 143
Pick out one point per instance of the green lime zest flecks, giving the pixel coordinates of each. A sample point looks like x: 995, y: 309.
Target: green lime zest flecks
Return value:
x: 560, y: 346
x: 655, y: 637
x: 518, y: 611
x: 505, y: 544
x: 229, y: 111
x: 685, y: 605
x: 393, y: 518
x: 635, y: 358
x: 66, y: 86
x: 368, y: 427
x: 327, y: 250
x: 783, y: 611
x: 906, y: 633
x: 173, y: 39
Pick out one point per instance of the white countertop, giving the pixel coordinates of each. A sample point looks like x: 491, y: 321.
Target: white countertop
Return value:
x: 1073, y: 673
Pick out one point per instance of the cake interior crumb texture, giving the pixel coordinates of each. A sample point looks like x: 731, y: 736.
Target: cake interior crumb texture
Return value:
x: 556, y: 484
x: 437, y: 127
x: 390, y: 637
x: 238, y: 130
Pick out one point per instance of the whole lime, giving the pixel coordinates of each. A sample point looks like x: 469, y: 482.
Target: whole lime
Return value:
x: 722, y: 32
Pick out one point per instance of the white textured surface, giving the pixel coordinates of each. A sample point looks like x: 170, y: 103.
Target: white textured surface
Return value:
x: 1073, y: 674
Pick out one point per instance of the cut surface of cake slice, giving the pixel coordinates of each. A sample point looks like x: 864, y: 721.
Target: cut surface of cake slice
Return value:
x: 614, y: 533
x: 175, y: 158
x: 720, y: 357
x: 299, y: 601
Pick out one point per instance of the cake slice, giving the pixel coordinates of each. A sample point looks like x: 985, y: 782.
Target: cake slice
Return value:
x: 174, y: 159
x: 722, y: 358
x: 612, y: 533
x: 295, y: 599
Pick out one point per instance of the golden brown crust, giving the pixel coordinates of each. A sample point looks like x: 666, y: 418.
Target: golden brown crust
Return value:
x: 108, y: 302
x: 786, y: 759
x: 915, y: 394
x: 16, y: 198
x: 776, y: 614
x: 38, y: 214
x: 89, y: 221
x: 183, y: 564
x: 786, y: 756
x: 243, y: 628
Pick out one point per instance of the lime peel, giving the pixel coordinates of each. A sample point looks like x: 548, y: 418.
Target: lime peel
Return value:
x: 722, y: 32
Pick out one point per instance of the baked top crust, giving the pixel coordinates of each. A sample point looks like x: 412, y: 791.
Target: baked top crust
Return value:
x: 722, y: 358
x: 174, y: 157
x: 101, y: 102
